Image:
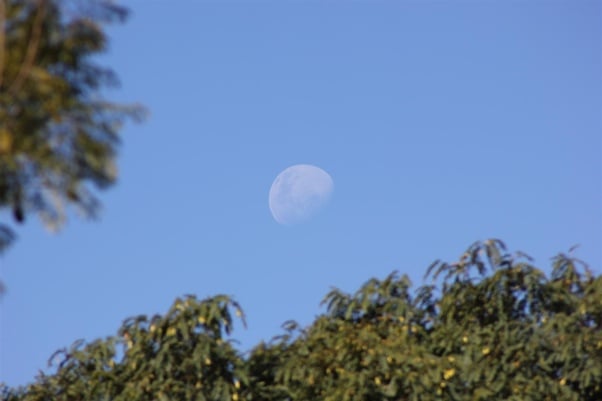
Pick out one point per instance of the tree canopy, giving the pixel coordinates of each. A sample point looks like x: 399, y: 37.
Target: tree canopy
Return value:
x: 490, y: 326
x: 58, y: 134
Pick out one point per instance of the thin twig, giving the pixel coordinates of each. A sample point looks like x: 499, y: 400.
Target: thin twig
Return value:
x: 32, y: 49
x: 2, y: 38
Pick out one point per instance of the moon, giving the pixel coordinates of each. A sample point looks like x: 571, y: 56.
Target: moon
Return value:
x: 299, y: 192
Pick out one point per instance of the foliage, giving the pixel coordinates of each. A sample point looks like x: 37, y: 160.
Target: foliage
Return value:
x: 182, y: 355
x: 58, y: 135
x: 495, y: 328
x: 489, y: 327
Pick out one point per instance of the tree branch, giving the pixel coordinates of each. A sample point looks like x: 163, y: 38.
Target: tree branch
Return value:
x: 32, y: 49
x: 2, y: 37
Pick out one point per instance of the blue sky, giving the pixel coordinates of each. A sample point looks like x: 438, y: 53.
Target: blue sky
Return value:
x: 440, y: 122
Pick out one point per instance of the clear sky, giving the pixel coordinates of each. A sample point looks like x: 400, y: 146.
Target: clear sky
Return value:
x: 440, y: 122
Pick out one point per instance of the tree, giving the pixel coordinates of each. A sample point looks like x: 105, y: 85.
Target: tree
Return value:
x: 58, y: 135
x: 494, y: 328
x: 490, y: 327
x: 182, y: 355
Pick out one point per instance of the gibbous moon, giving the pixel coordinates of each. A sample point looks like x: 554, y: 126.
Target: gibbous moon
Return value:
x: 299, y: 192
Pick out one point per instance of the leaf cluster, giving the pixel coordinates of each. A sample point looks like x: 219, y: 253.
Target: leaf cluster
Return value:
x: 182, y: 355
x: 58, y: 135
